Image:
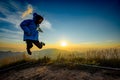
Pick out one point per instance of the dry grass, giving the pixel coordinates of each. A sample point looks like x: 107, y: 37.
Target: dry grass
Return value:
x: 102, y: 57
x: 66, y: 65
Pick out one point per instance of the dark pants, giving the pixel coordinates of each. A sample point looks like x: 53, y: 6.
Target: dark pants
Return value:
x: 31, y: 42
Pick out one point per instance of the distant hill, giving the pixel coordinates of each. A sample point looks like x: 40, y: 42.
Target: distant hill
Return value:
x: 8, y: 57
x: 4, y: 54
x: 51, y: 52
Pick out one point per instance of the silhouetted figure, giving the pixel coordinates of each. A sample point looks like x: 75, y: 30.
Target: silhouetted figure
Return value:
x: 31, y: 28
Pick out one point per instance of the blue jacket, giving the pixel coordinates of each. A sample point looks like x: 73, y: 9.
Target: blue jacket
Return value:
x: 30, y: 29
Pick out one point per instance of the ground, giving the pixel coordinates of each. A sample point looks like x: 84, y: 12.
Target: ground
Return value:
x: 54, y: 73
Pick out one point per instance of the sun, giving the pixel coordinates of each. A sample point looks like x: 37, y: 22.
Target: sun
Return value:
x: 63, y: 43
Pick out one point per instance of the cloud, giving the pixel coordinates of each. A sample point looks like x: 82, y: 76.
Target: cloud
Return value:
x: 10, y: 31
x: 17, y: 17
x: 28, y: 11
x: 7, y: 35
x: 14, y: 12
x: 10, y: 10
x: 13, y: 19
x: 46, y: 24
x: 13, y: 37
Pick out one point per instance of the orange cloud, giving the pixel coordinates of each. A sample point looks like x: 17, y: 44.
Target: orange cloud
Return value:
x: 28, y: 11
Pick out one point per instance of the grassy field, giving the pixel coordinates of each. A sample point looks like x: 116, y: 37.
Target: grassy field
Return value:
x: 109, y: 57
x: 100, y: 57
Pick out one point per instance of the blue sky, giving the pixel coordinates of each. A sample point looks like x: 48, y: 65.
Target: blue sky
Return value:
x: 77, y: 21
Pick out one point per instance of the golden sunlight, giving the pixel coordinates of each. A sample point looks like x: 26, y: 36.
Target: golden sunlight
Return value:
x: 63, y: 43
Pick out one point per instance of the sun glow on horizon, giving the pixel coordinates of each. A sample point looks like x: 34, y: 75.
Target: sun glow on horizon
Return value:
x: 63, y: 43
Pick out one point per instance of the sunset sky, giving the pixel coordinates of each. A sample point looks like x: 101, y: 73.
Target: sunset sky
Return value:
x: 76, y: 22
